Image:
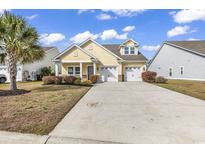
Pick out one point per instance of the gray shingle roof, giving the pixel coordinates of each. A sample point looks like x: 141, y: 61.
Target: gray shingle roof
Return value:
x: 115, y: 48
x: 197, y: 46
x: 47, y: 48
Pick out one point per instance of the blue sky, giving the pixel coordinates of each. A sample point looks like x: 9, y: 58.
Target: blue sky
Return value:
x: 148, y: 27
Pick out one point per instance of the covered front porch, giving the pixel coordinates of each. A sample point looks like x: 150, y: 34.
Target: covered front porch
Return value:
x: 82, y: 69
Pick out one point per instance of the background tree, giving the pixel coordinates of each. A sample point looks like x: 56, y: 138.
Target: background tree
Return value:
x: 20, y: 43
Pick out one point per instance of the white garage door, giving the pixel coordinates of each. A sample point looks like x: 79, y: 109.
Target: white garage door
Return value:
x: 108, y: 74
x: 4, y: 70
x: 133, y: 74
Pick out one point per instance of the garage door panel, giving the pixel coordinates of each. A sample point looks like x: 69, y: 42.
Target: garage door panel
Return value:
x: 133, y: 74
x: 108, y: 74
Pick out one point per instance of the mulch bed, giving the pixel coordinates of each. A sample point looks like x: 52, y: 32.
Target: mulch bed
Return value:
x: 13, y: 93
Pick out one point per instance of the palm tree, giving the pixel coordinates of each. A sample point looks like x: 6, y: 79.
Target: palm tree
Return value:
x: 20, y: 44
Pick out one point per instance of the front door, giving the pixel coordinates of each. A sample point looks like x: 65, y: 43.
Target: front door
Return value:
x: 90, y: 71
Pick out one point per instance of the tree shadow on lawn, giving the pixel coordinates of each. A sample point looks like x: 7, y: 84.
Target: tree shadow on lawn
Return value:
x: 13, y: 93
x: 50, y: 88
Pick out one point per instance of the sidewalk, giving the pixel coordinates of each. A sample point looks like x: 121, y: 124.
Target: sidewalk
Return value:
x: 20, y: 138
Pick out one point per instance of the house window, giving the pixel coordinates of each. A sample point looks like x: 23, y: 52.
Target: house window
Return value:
x: 170, y: 71
x: 132, y: 50
x: 182, y: 70
x: 77, y: 70
x: 70, y: 71
x: 126, y: 50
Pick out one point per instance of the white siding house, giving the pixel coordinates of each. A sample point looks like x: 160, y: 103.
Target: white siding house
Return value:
x: 30, y: 71
x: 180, y: 60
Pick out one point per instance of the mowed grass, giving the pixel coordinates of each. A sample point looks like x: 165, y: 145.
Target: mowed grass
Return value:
x: 39, y: 110
x: 192, y: 88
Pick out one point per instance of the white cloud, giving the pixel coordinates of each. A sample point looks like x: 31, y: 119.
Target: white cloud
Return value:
x: 150, y: 47
x: 172, y: 13
x: 80, y: 37
x: 193, y: 39
x: 187, y: 16
x: 128, y: 29
x: 48, y: 39
x: 85, y: 10
x: 125, y: 12
x: 112, y: 34
x: 104, y: 16
x: 179, y: 30
x: 32, y: 17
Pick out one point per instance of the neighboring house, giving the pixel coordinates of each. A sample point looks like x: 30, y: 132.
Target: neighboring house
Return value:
x: 31, y: 70
x: 112, y: 62
x: 180, y: 60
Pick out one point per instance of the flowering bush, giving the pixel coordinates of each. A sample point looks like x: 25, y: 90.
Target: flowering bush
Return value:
x: 58, y: 79
x: 48, y: 80
x: 69, y: 79
x: 149, y: 76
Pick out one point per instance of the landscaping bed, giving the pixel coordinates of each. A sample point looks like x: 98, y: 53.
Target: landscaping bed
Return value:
x: 36, y: 108
x: 192, y: 88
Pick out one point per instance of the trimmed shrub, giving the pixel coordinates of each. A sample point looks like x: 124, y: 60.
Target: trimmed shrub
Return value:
x: 77, y: 82
x: 149, y: 76
x: 58, y: 79
x: 161, y: 79
x: 48, y: 80
x: 69, y: 79
x: 45, y: 71
x: 94, y: 78
x: 86, y: 83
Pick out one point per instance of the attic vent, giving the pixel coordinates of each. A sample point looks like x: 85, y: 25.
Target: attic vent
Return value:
x: 76, y: 54
x: 90, y: 47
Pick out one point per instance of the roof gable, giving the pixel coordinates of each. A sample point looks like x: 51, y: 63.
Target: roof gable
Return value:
x: 69, y: 49
x: 131, y: 40
x: 90, y: 39
x: 115, y: 48
x: 193, y: 46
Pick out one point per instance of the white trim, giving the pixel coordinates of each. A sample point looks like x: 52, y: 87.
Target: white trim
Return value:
x: 73, y: 66
x: 192, y: 79
x: 75, y: 61
x: 90, y: 39
x: 81, y: 70
x: 130, y: 40
x: 56, y: 69
x: 69, y: 48
x: 94, y: 68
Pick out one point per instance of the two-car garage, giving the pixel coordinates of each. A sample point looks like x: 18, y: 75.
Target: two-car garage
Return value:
x: 110, y: 73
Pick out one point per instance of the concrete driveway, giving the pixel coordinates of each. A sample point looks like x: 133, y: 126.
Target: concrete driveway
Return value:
x: 133, y: 112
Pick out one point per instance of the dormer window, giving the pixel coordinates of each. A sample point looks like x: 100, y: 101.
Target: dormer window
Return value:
x: 129, y: 50
x: 126, y: 50
x: 132, y: 50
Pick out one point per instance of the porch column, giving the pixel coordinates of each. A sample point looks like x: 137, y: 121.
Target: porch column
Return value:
x: 81, y: 70
x: 56, y: 69
x: 94, y: 68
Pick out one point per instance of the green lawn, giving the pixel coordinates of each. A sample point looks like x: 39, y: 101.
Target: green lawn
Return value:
x: 192, y: 88
x: 40, y: 109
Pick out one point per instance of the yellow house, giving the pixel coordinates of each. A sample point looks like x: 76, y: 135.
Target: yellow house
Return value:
x: 112, y: 62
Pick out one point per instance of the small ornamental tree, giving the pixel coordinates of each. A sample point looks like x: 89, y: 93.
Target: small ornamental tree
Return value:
x: 20, y: 44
